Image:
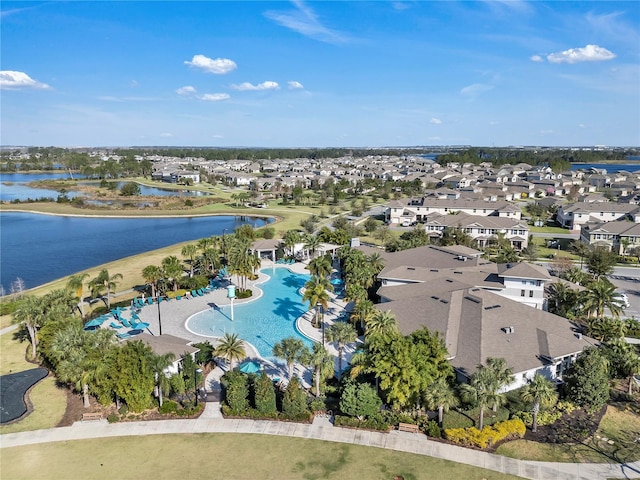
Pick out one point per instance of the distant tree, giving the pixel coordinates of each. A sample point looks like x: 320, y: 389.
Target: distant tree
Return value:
x: 291, y: 350
x: 130, y: 189
x: 600, y: 261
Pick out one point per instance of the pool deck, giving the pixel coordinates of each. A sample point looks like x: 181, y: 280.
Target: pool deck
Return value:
x: 175, y: 313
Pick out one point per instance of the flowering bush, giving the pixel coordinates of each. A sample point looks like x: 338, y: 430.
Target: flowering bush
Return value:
x: 487, y: 436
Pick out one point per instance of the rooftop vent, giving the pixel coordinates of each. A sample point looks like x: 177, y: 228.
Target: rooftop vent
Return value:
x: 492, y: 307
x: 508, y: 330
x: 579, y: 336
x: 473, y: 299
x: 435, y: 297
x: 444, y: 301
x: 411, y: 268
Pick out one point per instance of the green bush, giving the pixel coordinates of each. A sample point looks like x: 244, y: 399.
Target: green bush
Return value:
x: 124, y: 409
x: 247, y: 293
x: 375, y: 422
x: 429, y: 427
x: 317, y: 405
x: 168, y: 406
x: 113, y: 418
x: 457, y: 419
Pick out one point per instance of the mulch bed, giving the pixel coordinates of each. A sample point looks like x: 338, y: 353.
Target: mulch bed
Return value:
x: 573, y: 427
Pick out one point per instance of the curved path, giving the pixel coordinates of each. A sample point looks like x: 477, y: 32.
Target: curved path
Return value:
x: 321, y: 429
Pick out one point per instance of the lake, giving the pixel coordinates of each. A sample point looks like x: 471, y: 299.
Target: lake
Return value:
x: 41, y: 248
x: 609, y: 167
x: 13, y: 187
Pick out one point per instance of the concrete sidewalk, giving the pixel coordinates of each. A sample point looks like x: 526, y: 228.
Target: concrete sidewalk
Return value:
x: 212, y: 422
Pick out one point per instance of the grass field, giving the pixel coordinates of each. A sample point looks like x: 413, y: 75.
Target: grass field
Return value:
x: 224, y: 456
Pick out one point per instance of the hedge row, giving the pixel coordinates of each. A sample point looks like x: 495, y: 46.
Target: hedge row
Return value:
x: 487, y: 436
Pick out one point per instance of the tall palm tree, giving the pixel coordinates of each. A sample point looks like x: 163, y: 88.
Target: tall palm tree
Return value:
x: 342, y: 333
x: 152, y: 274
x: 479, y: 391
x: 291, y: 350
x: 440, y: 395
x: 322, y: 363
x: 241, y: 260
x: 159, y: 364
x: 231, y: 348
x: 172, y: 267
x: 363, y: 312
x: 31, y: 314
x: 189, y: 251
x: 311, y: 244
x: 206, y: 242
x: 320, y: 266
x: 316, y: 293
x: 539, y: 391
x: 104, y: 281
x: 502, y: 376
x: 562, y: 300
x: 291, y: 237
x: 376, y: 263
x: 381, y: 323
x: 209, y: 260
x: 602, y: 294
x: 76, y: 284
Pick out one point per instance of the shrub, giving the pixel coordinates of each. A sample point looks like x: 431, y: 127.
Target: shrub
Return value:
x: 124, y: 409
x: 168, y: 406
x: 317, y: 404
x: 487, y: 436
x: 375, y: 422
x: 113, y: 418
x: 294, y: 402
x: 247, y: 293
x: 429, y: 427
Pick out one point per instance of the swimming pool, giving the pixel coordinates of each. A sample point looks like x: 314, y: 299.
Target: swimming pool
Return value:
x: 262, y: 322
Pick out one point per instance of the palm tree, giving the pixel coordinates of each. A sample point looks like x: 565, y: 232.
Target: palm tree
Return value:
x: 479, y: 391
x: 231, y: 348
x: 291, y: 237
x: 206, y: 242
x: 382, y: 323
x: 311, y: 244
x: 602, y: 294
x: 342, y: 333
x: 241, y: 260
x: 152, y: 274
x: 31, y: 314
x: 104, y: 281
x: 320, y: 266
x: 173, y: 270
x: 76, y: 284
x: 363, y: 312
x: 322, y: 363
x: 440, y: 395
x: 315, y: 292
x: 502, y: 376
x: 376, y: 263
x: 539, y: 391
x: 291, y: 350
x: 562, y: 300
x: 159, y: 364
x: 189, y: 251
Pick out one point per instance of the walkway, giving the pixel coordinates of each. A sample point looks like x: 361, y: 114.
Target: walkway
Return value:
x: 212, y: 422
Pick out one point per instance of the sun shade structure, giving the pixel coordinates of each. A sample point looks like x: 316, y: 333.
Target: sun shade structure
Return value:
x: 249, y: 367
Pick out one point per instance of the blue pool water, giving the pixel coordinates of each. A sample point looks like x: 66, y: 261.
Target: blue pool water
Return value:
x: 262, y: 322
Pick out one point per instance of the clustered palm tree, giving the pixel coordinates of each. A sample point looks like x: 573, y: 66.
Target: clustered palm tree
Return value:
x: 231, y: 348
x: 104, y: 282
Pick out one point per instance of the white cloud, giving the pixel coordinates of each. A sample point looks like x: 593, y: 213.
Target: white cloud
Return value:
x: 268, y: 85
x: 435, y: 121
x: 494, y: 122
x: 536, y: 58
x: 166, y: 135
x: 305, y: 21
x: 217, y: 135
x: 214, y: 97
x: 475, y: 89
x: 293, y: 85
x: 12, y: 80
x: 186, y: 90
x: 219, y: 66
x: 590, y: 53
x: 134, y: 84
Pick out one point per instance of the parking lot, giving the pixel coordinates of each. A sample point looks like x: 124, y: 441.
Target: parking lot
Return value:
x: 631, y: 286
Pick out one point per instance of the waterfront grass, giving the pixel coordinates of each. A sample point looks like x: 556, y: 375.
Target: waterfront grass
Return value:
x: 13, y: 354
x: 237, y: 456
x: 49, y: 402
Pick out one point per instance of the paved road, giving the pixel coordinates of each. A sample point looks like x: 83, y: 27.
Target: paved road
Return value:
x: 322, y: 429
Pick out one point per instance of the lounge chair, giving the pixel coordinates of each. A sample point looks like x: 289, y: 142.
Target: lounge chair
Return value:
x: 115, y: 325
x: 125, y: 322
x: 178, y: 297
x: 122, y: 336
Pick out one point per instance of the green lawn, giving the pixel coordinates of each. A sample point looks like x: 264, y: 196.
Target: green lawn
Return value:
x: 224, y: 456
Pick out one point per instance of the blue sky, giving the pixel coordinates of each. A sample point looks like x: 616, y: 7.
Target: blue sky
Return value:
x: 320, y: 74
